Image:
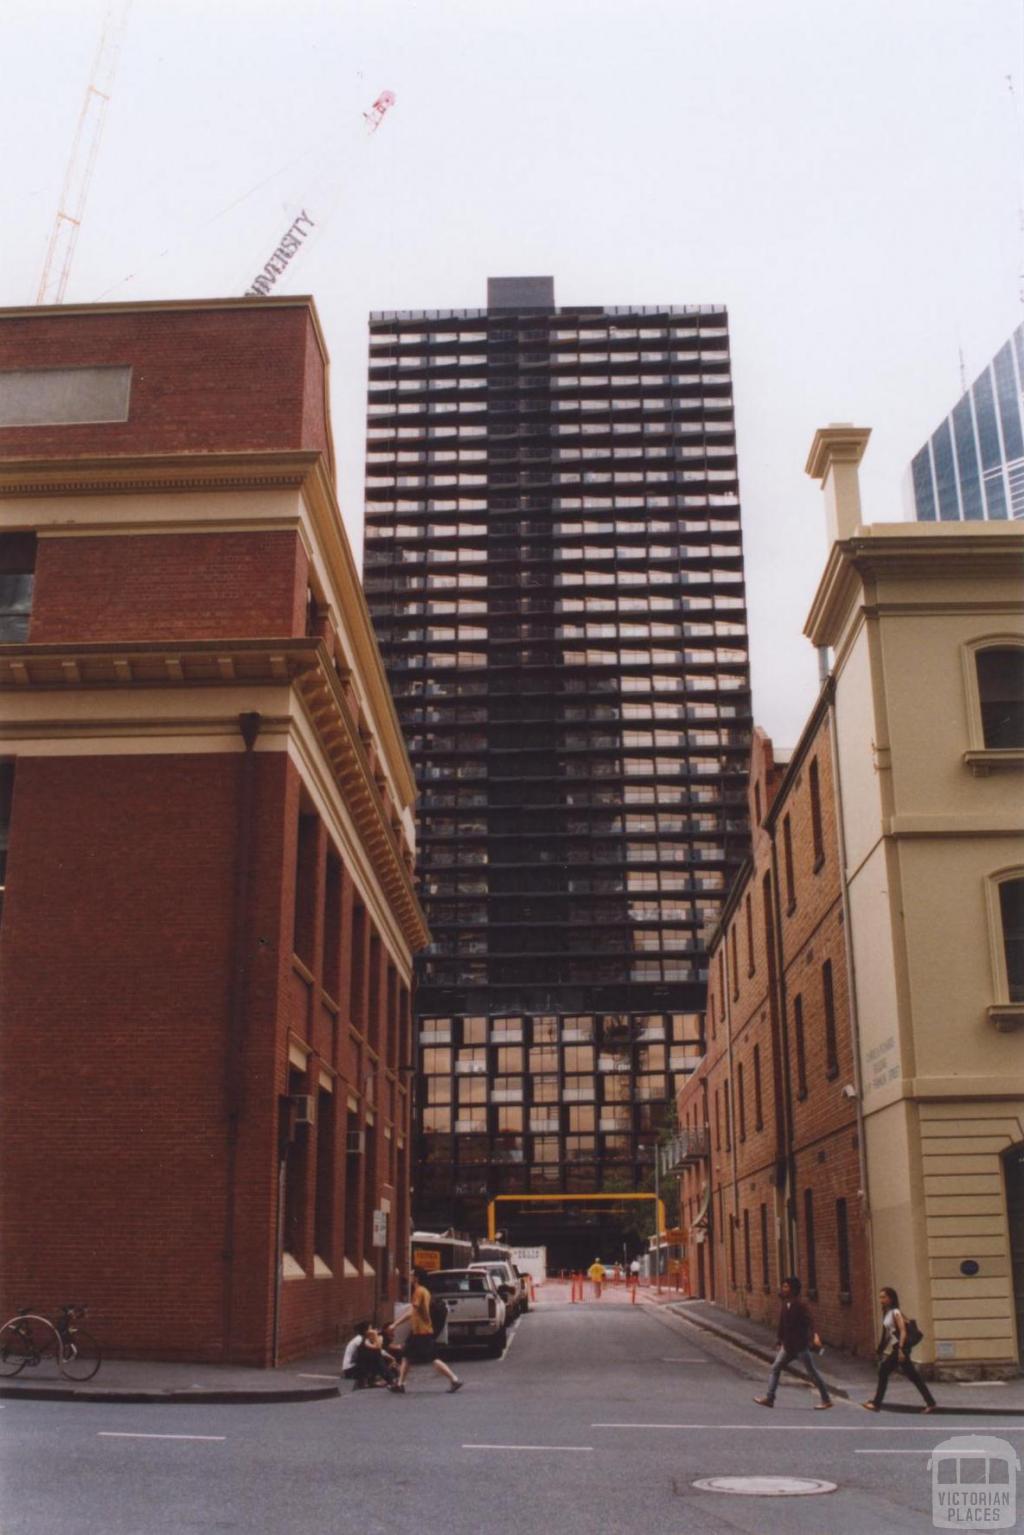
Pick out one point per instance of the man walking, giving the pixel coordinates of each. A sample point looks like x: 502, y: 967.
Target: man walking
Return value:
x: 796, y: 1337
x: 421, y: 1347
x: 595, y: 1273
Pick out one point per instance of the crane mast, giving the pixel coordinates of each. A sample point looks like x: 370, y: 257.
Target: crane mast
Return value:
x: 71, y: 208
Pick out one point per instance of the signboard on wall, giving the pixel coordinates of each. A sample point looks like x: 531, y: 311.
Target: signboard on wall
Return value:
x: 380, y: 1228
x: 425, y: 1258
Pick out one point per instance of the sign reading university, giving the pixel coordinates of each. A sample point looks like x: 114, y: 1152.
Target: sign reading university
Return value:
x: 290, y: 245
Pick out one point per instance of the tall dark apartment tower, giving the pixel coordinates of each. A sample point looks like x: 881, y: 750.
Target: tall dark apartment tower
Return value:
x: 554, y: 565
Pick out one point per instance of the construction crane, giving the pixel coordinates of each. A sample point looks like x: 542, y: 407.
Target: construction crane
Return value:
x: 70, y: 209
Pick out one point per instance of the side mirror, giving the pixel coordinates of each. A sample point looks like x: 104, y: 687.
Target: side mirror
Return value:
x: 504, y: 1291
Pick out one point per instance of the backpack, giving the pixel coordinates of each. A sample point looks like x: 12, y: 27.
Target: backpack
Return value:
x: 914, y: 1334
x: 439, y: 1318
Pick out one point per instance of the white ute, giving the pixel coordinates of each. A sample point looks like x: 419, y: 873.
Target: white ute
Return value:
x: 476, y: 1312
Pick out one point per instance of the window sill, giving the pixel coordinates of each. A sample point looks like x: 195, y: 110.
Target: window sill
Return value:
x: 320, y: 1269
x: 291, y: 1268
x: 1007, y: 1016
x: 995, y: 759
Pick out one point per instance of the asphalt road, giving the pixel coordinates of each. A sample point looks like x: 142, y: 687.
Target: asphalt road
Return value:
x: 598, y: 1418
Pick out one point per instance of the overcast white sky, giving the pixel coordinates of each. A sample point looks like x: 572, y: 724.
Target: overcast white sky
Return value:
x: 844, y: 174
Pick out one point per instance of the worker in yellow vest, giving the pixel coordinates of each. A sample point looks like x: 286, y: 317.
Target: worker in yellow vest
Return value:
x: 595, y: 1273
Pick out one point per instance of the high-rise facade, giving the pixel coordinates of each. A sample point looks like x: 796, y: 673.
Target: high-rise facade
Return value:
x: 972, y: 467
x: 554, y: 565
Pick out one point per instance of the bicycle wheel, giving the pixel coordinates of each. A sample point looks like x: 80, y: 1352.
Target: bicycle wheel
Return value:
x: 24, y: 1340
x: 16, y: 1348
x: 80, y: 1356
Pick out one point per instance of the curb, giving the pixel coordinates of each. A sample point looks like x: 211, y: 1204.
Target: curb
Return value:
x: 214, y: 1396
x: 756, y: 1351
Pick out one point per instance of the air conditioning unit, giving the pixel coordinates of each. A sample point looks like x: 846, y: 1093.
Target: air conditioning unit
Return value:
x: 356, y: 1143
x: 303, y: 1109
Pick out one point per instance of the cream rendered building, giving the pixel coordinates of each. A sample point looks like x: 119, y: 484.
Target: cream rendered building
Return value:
x: 930, y: 819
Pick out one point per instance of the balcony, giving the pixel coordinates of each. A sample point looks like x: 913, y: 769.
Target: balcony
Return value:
x: 687, y: 1148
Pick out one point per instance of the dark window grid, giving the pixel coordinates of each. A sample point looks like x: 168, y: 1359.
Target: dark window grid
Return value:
x: 800, y: 1045
x: 811, y: 1256
x: 787, y: 858
x: 843, y: 1253
x: 829, y: 1010
x: 817, y: 832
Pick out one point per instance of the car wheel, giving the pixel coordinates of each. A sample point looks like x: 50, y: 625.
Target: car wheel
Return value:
x: 496, y: 1346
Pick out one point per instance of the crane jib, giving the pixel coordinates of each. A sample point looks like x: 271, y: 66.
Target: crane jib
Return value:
x: 290, y: 243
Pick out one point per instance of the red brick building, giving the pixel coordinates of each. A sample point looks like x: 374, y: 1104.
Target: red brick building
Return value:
x: 769, y: 1145
x: 208, y: 917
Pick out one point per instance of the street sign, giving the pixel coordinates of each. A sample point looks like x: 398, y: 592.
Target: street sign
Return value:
x: 380, y: 1228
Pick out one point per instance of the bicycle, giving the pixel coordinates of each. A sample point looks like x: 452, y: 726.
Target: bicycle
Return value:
x: 28, y: 1338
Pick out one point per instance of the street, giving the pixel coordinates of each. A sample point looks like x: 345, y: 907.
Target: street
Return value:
x: 600, y: 1416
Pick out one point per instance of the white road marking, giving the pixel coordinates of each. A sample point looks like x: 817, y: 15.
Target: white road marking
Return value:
x: 303, y: 1376
x: 685, y: 1359
x: 578, y: 1448
x: 208, y: 1438
x: 511, y: 1336
x: 926, y: 1450
x: 813, y: 1428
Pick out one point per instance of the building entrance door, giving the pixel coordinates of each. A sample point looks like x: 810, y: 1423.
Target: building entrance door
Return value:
x: 1013, y: 1164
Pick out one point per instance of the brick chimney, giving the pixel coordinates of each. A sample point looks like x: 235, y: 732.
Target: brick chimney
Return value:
x: 835, y: 455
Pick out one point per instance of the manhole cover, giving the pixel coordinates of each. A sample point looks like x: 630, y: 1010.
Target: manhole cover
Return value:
x: 766, y: 1486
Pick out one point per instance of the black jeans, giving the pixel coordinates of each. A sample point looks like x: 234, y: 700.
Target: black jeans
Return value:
x: 887, y: 1367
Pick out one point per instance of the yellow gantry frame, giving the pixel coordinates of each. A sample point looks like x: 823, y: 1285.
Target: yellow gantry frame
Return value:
x: 608, y: 1199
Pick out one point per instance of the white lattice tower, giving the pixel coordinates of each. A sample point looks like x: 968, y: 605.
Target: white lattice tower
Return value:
x: 71, y: 208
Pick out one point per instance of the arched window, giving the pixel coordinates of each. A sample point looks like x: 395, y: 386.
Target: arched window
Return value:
x: 1011, y: 911
x: 1005, y: 896
x: 1000, y: 672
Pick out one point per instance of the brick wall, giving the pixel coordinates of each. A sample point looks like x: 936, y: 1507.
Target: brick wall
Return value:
x: 174, y: 586
x: 123, y: 1184
x: 777, y: 970
x: 204, y: 379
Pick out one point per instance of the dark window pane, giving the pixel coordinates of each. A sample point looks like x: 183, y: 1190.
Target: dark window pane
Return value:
x: 1001, y: 691
x: 924, y: 494
x: 945, y: 474
x: 988, y: 431
x: 967, y: 461
x: 1009, y: 403
x: 1011, y: 902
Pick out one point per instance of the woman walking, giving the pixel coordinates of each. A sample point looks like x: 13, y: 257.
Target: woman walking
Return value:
x: 893, y: 1351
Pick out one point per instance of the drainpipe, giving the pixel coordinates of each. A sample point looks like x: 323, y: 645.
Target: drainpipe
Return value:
x: 851, y: 966
x: 249, y: 725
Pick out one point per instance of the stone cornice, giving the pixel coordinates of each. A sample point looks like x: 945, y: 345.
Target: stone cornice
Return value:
x: 302, y: 664
x: 302, y: 470
x: 924, y: 552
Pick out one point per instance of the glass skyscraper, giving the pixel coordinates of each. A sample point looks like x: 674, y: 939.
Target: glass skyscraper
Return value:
x: 972, y: 467
x: 554, y: 564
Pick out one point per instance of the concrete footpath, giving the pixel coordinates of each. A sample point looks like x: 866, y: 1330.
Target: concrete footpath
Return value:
x: 140, y: 1380
x: 845, y: 1375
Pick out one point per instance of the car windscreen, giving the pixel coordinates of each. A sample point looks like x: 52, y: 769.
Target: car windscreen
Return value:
x: 458, y: 1282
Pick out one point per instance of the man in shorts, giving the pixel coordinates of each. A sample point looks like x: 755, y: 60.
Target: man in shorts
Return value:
x: 420, y: 1346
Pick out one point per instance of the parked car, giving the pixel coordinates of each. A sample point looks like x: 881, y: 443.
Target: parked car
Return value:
x: 508, y: 1285
x: 524, y: 1288
x: 476, y: 1311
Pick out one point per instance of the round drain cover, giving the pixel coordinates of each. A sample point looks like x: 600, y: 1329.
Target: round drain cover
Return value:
x: 766, y: 1486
